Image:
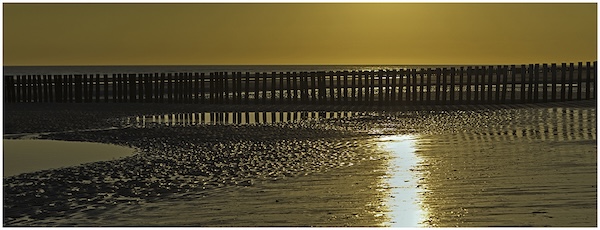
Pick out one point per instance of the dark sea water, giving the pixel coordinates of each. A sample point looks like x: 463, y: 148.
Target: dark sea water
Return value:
x: 20, y: 70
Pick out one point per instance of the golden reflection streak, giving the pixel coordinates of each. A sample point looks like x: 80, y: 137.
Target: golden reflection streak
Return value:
x: 406, y: 208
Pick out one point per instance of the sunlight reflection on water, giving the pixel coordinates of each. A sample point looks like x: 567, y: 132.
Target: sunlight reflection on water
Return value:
x: 404, y: 202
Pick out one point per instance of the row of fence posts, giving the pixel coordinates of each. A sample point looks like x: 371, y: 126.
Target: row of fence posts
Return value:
x: 424, y: 86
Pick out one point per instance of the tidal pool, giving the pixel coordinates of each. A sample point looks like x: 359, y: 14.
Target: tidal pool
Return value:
x: 23, y: 156
x: 404, y: 202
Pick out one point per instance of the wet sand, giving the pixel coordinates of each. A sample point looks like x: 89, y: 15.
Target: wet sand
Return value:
x: 522, y: 165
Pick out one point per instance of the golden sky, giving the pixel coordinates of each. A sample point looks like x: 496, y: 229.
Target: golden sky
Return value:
x: 298, y: 33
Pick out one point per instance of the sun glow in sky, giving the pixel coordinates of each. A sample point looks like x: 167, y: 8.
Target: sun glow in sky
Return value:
x: 298, y: 33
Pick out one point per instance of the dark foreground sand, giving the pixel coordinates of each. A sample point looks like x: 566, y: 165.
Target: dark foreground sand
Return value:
x: 525, y: 165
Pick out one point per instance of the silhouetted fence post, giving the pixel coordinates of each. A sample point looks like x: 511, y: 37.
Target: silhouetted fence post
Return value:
x: 247, y: 88
x: 563, y: 81
x: 417, y: 87
x: 588, y: 81
x: 256, y: 79
x: 553, y: 72
x: 452, y: 84
x: 264, y: 87
x: 401, y: 73
x: 469, y: 86
x: 594, y: 76
x: 513, y: 71
x: 273, y: 79
x: 579, y: 70
x: 500, y: 77
x: 545, y: 82
x: 444, y: 85
x: 429, y: 73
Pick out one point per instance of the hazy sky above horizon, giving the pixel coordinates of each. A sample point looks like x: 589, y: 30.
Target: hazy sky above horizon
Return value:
x: 298, y: 33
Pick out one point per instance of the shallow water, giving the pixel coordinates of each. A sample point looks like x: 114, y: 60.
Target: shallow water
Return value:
x: 404, y: 201
x: 23, y: 156
x: 214, y: 118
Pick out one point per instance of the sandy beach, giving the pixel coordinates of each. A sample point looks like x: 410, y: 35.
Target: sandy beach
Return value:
x: 517, y: 165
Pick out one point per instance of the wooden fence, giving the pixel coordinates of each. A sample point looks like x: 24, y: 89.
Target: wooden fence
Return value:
x: 424, y: 86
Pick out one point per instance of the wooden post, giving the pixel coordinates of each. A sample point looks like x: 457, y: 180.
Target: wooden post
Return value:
x: 429, y: 73
x: 105, y: 84
x: 386, y: 87
x: 401, y: 73
x: 553, y: 71
x: 438, y: 80
x: 142, y: 88
x: 337, y: 88
x: 131, y: 85
x: 313, y: 86
x: 201, y: 92
x: 563, y: 81
x: 54, y: 90
x: 367, y: 86
x: 113, y: 88
x: 247, y: 88
x: 545, y: 82
x: 479, y: 84
x: 588, y: 81
x: 523, y: 82
x: 579, y: 73
x: 380, y: 87
x: 85, y: 85
x: 443, y: 89
x: 497, y: 72
x: 468, y: 85
x: 415, y: 86
x: 170, y: 88
x: 34, y: 96
x: 505, y: 80
x: 51, y: 91
x: 240, y: 90
x: 155, y: 88
x: 536, y: 82
x: 264, y: 87
x: 532, y: 73
x: 97, y: 89
x: 211, y: 88
x: 281, y: 88
x: 234, y: 88
x: 185, y: 88
x: 38, y: 88
x: 122, y: 78
x: 372, y: 87
x: 7, y: 88
x: 406, y: 74
x: 151, y: 86
x: 594, y: 76
x: 256, y: 83
x: 76, y: 89
x: 288, y: 80
x: 392, y: 89
x: 220, y: 87
x: 452, y: 80
x: 18, y: 87
x: 490, y: 89
x: 486, y: 82
x: 513, y: 71
x: 273, y: 79
x: 161, y: 88
x: 58, y: 89
x: 43, y: 88
x: 461, y: 72
x: 499, y: 76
